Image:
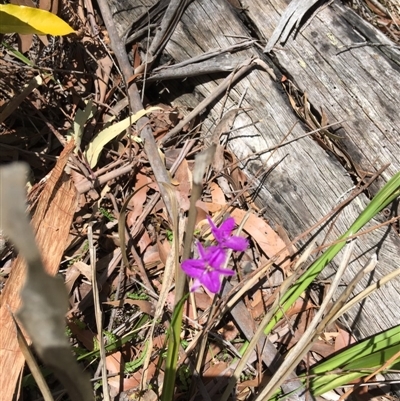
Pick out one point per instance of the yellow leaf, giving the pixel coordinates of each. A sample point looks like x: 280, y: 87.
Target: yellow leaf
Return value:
x: 96, y: 146
x: 25, y: 20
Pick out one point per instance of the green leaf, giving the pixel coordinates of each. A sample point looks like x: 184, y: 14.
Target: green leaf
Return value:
x: 355, y: 361
x: 17, y: 54
x: 370, y: 346
x: 352, y: 363
x: 81, y: 117
x: 27, y: 20
x: 96, y: 146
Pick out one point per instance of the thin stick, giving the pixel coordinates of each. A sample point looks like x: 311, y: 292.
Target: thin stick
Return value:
x: 32, y: 363
x: 98, y: 314
x: 363, y: 294
x: 230, y: 79
x: 297, y: 352
x: 143, y: 124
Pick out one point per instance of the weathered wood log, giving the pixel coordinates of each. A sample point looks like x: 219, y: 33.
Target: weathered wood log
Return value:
x: 343, y: 82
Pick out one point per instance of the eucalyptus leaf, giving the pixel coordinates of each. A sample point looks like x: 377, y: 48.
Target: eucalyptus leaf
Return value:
x: 29, y: 20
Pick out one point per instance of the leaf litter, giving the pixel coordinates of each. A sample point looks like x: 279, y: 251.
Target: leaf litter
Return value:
x: 119, y: 167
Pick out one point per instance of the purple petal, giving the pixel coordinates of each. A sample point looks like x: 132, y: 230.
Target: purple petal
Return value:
x: 236, y: 243
x: 225, y: 272
x: 215, y: 256
x: 202, y: 251
x: 212, y: 281
x: 211, y: 223
x: 194, y: 267
x: 196, y: 285
x: 227, y: 227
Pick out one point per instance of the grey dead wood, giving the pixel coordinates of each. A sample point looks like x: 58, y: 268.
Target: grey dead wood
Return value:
x: 352, y: 86
x: 359, y: 86
x: 290, y: 19
x: 170, y: 19
x: 267, y: 349
x: 217, y: 61
x: 143, y: 124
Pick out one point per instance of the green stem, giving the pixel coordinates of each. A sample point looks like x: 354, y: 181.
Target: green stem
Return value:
x: 173, y: 351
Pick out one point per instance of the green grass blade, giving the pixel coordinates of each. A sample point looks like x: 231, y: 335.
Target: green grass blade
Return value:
x: 383, y: 198
x: 18, y: 55
x: 173, y: 351
x: 355, y: 362
x: 374, y: 344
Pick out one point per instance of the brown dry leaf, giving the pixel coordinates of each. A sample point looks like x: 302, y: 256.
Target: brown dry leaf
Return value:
x: 260, y: 308
x: 45, y: 4
x: 264, y: 235
x: 114, y: 366
x: 238, y: 176
x: 215, y: 370
x: 127, y: 384
x: 256, y: 298
x: 84, y: 336
x: 137, y: 376
x: 164, y: 249
x: 217, y: 194
x: 213, y: 350
x: 184, y: 178
x: 344, y: 339
x: 205, y: 208
x: 138, y: 200
x: 257, y: 305
x: 323, y: 348
x: 303, y: 319
x: 163, y: 120
x: 249, y: 383
x: 375, y: 9
x: 144, y: 241
x: 85, y: 269
x: 330, y: 336
x: 229, y: 331
x: 151, y: 255
x: 203, y: 300
x: 49, y: 5
x: 113, y: 362
x: 103, y: 73
x: 202, y: 212
x: 71, y: 276
x: 301, y: 305
x: 127, y: 387
x: 24, y: 41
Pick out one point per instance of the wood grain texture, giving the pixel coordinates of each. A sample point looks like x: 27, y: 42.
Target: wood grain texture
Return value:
x: 51, y: 223
x: 358, y: 86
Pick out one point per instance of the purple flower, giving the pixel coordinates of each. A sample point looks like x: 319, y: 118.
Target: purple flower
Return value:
x: 207, y: 269
x: 223, y: 235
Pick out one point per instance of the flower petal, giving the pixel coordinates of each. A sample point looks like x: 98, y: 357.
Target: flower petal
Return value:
x: 194, y: 267
x: 216, y: 256
x: 236, y: 243
x: 212, y: 281
x: 202, y: 250
x: 227, y: 227
x: 223, y: 231
x: 196, y: 285
x: 225, y: 272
